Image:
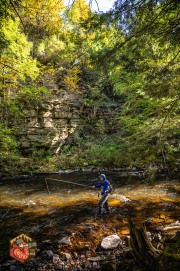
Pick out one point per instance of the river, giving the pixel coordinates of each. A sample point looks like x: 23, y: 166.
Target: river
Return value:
x: 27, y: 207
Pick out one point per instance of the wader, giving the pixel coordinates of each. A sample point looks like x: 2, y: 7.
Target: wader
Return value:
x: 103, y: 202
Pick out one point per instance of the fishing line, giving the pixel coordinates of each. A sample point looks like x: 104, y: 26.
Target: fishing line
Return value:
x: 61, y: 181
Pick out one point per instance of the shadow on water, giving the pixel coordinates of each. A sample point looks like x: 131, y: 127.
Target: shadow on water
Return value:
x: 26, y: 207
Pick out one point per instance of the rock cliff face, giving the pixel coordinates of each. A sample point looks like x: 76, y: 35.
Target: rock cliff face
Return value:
x: 64, y: 117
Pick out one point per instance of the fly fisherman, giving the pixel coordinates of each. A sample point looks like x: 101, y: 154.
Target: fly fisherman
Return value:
x: 106, y: 189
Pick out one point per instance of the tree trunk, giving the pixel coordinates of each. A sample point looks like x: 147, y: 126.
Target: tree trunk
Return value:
x: 148, y: 257
x: 144, y: 252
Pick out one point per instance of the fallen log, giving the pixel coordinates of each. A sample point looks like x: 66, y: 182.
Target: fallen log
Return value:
x: 147, y: 256
x: 143, y: 251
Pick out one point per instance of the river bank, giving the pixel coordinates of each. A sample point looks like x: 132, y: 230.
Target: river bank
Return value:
x: 149, y: 173
x: 82, y: 249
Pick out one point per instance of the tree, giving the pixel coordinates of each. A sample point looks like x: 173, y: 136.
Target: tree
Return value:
x: 16, y: 64
x: 142, y: 65
x: 41, y: 18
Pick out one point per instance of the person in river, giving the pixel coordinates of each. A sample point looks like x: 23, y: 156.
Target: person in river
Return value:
x: 106, y: 189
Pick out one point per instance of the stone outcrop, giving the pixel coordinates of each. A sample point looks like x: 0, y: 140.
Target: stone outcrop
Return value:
x: 64, y: 117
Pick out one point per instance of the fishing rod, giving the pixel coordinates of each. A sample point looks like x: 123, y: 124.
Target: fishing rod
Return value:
x: 61, y: 181
x: 65, y: 181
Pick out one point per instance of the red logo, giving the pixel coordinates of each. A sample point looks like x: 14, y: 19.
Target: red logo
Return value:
x: 22, y: 248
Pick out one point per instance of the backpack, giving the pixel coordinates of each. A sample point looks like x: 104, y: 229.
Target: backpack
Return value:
x: 110, y: 188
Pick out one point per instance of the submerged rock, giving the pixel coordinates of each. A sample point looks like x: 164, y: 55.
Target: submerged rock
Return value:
x: 110, y: 242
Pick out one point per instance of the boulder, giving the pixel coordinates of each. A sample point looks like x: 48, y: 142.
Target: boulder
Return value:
x: 110, y: 242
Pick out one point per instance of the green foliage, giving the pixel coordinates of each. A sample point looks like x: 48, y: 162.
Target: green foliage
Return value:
x: 32, y: 95
x: 16, y: 57
x: 89, y: 154
x: 7, y: 141
x: 129, y: 56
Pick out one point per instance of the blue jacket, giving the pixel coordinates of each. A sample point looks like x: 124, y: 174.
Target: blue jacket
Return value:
x: 105, y: 186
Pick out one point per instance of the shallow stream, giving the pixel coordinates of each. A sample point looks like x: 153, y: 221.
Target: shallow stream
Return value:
x: 27, y: 207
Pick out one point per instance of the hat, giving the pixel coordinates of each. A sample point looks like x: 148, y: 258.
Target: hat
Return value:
x: 102, y: 176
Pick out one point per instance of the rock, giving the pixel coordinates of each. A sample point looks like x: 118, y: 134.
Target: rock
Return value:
x: 149, y: 236
x: 110, y: 242
x: 72, y: 262
x: 110, y: 258
x: 94, y: 264
x: 48, y: 253
x: 157, y: 237
x: 67, y: 255
x: 96, y: 259
x: 55, y: 258
x: 88, y: 247
x: 149, y: 222
x: 107, y: 252
x: 160, y: 228
x: 88, y: 230
x: 79, y: 268
x: 88, y: 254
x: 86, y: 264
x: 60, y: 266
x: 75, y: 255
x: 127, y: 254
x: 65, y: 240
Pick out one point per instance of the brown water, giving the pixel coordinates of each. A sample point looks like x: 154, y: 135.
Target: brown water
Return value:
x: 27, y: 207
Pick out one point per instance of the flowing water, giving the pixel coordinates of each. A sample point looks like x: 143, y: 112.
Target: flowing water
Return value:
x: 27, y: 207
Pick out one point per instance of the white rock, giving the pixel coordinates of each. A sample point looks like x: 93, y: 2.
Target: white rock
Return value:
x: 121, y: 197
x: 110, y: 242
